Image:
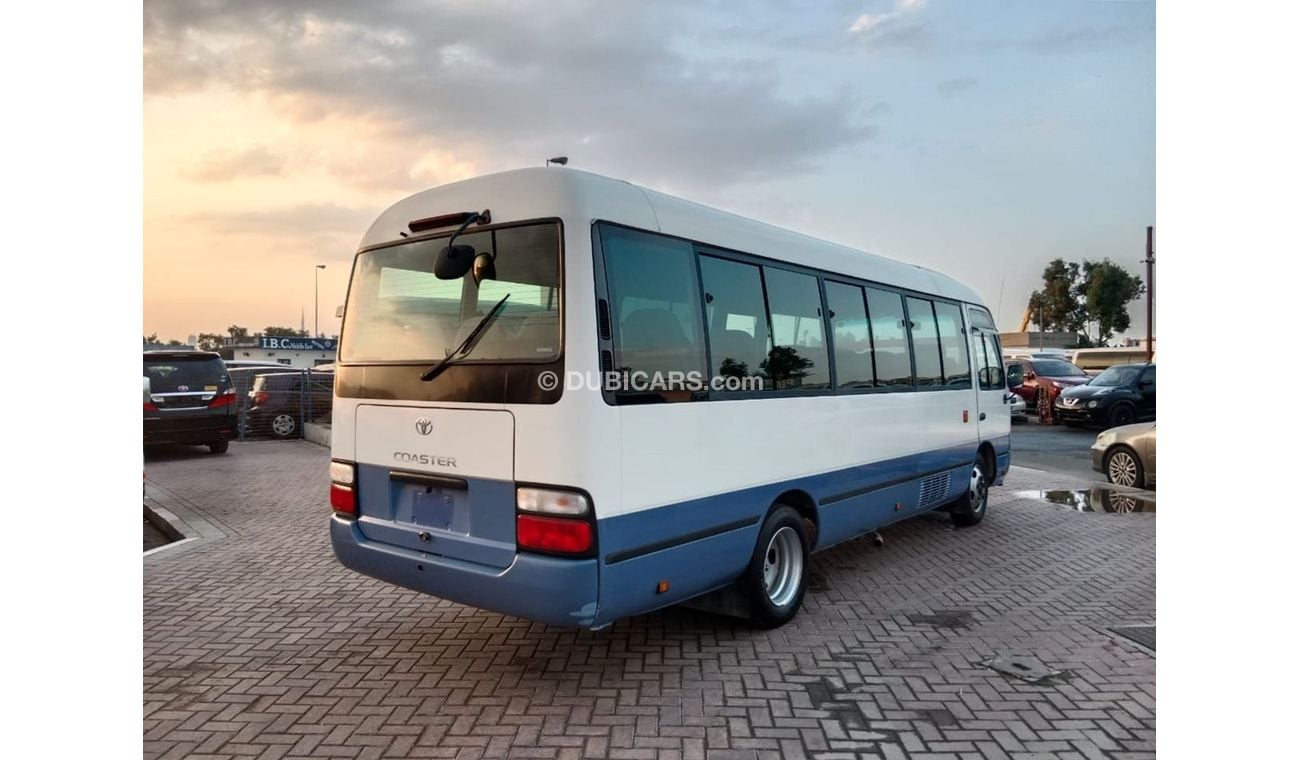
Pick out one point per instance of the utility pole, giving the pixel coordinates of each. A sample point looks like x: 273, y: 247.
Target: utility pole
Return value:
x: 1150, y: 261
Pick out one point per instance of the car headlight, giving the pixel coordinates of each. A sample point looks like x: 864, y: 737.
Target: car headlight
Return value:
x: 1106, y: 438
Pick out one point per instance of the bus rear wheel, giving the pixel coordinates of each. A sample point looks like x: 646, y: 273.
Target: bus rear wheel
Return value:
x: 777, y: 576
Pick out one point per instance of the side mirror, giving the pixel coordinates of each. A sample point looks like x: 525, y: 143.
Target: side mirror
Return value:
x: 452, y: 263
x: 1015, y: 377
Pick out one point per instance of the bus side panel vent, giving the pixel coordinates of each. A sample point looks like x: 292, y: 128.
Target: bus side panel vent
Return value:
x: 606, y: 362
x: 934, y: 488
x: 602, y: 307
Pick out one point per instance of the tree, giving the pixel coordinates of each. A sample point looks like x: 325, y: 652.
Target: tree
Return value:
x: 283, y: 332
x: 785, y: 367
x: 1057, y: 306
x: 1106, y: 289
x: 174, y: 342
x: 151, y: 338
x: 237, y: 333
x: 211, y: 341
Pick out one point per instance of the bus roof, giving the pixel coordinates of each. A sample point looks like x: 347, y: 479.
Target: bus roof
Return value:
x: 573, y: 194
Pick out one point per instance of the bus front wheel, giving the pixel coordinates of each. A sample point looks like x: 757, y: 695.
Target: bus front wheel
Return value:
x: 777, y: 576
x: 969, y: 509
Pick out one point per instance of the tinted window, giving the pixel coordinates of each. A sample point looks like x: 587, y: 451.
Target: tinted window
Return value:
x: 737, y: 317
x: 1150, y: 374
x: 925, y: 342
x: 952, y: 340
x: 183, y: 374
x: 1056, y: 368
x: 1124, y: 374
x: 797, y: 358
x: 889, y: 339
x: 654, y: 303
x: 851, y: 334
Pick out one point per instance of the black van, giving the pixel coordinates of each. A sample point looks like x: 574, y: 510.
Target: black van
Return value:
x: 190, y: 399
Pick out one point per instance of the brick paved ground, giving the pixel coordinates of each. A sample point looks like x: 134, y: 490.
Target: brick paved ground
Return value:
x: 259, y: 644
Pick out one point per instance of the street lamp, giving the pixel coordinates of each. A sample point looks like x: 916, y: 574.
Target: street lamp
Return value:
x: 317, y: 311
x: 558, y: 160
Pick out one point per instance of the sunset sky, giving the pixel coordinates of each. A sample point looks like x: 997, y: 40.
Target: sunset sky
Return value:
x: 978, y: 138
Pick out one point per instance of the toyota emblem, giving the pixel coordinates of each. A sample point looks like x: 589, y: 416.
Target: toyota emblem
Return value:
x: 424, y: 426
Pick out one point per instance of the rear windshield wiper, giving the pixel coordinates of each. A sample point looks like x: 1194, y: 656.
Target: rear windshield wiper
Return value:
x: 466, y: 345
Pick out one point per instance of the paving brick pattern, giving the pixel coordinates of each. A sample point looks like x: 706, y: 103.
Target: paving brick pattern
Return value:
x: 258, y: 644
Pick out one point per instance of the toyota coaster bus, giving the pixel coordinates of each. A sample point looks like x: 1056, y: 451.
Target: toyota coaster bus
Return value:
x: 571, y: 399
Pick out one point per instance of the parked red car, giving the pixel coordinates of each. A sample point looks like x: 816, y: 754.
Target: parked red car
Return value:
x: 1034, y: 373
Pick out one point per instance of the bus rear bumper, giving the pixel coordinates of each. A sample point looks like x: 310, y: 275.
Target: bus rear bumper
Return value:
x: 547, y: 589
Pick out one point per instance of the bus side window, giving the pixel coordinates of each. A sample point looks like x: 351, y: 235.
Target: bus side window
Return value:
x: 925, y: 342
x: 952, y: 341
x: 889, y: 339
x: 737, y: 318
x: 655, y: 304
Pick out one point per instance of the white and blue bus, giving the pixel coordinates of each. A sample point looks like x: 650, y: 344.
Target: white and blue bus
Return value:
x: 571, y: 399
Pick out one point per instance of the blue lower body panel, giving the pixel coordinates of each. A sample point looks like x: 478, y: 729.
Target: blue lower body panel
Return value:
x: 556, y: 591
x: 695, y: 546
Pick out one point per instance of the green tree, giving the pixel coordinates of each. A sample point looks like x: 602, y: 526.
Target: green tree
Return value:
x: 151, y: 338
x: 283, y: 332
x: 1057, y: 305
x: 174, y: 342
x: 211, y: 341
x: 237, y: 333
x: 785, y: 367
x: 1106, y: 289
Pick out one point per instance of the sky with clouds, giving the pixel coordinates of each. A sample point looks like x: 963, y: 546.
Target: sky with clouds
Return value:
x: 976, y: 137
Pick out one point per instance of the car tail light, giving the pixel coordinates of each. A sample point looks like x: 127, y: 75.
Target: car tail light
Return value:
x: 225, y: 398
x: 260, y: 398
x: 150, y: 406
x: 557, y: 535
x: 343, y: 499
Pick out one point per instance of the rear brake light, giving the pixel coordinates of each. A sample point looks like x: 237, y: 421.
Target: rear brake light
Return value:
x: 223, y: 399
x: 260, y: 398
x: 343, y: 500
x: 553, y: 534
x: 149, y: 406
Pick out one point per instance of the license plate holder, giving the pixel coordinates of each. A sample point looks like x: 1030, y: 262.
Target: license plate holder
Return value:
x: 434, y: 508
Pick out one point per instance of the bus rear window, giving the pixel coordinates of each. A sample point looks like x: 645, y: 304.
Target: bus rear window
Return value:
x: 399, y: 311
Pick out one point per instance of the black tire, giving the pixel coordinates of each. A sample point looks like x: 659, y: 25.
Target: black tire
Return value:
x: 1122, y: 414
x: 763, y: 611
x: 1125, y: 464
x: 219, y: 447
x: 970, y: 508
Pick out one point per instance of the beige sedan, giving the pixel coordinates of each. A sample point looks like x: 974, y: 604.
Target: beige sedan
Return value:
x: 1127, y: 455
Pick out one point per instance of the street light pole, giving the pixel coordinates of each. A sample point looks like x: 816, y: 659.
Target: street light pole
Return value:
x: 317, y: 304
x: 1150, y: 261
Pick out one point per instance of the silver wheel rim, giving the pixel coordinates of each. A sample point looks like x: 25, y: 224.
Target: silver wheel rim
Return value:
x: 1122, y: 469
x: 282, y: 424
x: 979, y: 490
x: 783, y: 566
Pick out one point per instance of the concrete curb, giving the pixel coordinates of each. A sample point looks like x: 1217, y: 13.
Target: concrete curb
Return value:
x: 180, y: 519
x: 317, y: 434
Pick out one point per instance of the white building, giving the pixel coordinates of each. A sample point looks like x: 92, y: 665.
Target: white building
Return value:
x: 293, y: 352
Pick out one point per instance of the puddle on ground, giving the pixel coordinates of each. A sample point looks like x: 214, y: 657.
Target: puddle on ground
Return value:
x: 1094, y: 500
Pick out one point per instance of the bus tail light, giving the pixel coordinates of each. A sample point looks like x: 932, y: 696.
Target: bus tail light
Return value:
x: 548, y: 501
x: 343, y: 497
x: 558, y: 535
x: 554, y: 521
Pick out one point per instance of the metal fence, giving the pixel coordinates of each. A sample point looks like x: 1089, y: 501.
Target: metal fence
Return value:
x: 275, y: 403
